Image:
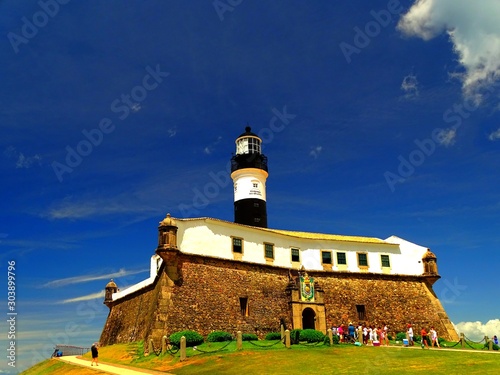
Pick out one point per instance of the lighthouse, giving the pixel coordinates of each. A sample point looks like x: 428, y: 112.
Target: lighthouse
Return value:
x: 249, y: 174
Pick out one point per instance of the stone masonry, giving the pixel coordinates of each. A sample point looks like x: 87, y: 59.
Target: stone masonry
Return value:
x: 204, y: 295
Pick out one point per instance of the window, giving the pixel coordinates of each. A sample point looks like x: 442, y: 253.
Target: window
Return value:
x: 385, y: 260
x: 254, y: 145
x: 341, y: 259
x: 361, y: 312
x: 326, y: 257
x: 295, y: 255
x: 362, y: 259
x: 269, y: 250
x: 244, y: 306
x: 237, y: 245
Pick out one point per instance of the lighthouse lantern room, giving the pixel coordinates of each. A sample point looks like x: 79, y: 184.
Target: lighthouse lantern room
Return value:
x: 249, y: 174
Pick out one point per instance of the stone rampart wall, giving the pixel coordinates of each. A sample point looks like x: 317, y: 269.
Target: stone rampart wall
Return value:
x: 208, y: 298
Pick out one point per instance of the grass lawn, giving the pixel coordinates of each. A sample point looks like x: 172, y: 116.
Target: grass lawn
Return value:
x: 301, y: 359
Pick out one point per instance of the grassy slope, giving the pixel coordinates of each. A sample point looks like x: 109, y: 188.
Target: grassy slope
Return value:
x: 341, y: 359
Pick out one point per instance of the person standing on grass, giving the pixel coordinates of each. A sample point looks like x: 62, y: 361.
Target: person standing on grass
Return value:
x: 425, y: 337
x: 365, y: 335
x: 386, y: 335
x: 434, y: 337
x: 410, y: 335
x: 340, y: 330
x: 352, y: 331
x: 95, y: 354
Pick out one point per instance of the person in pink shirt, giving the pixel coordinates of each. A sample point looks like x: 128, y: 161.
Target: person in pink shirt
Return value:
x: 340, y: 331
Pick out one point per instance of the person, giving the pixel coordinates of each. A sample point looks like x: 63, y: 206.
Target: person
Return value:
x: 425, y: 337
x: 374, y: 334
x: 95, y: 353
x: 410, y: 335
x: 495, y: 340
x: 386, y: 335
x: 434, y: 337
x: 340, y: 331
x: 365, y: 335
x: 352, y: 331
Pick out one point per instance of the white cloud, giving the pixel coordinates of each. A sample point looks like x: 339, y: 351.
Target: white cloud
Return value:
x: 447, y: 137
x: 473, y: 29
x: 475, y: 331
x: 86, y: 278
x: 172, y: 131
x: 87, y: 297
x: 22, y: 161
x: 210, y: 148
x: 316, y: 151
x: 85, y: 208
x: 494, y: 135
x: 410, y: 86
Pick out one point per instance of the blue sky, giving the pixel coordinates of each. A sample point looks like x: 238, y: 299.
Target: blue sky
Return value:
x: 378, y: 118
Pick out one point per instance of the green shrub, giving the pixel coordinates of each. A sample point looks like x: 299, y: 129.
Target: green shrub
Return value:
x: 273, y: 336
x: 400, y: 336
x: 249, y: 337
x: 495, y: 347
x: 295, y: 336
x: 311, y: 335
x: 192, y: 338
x: 336, y: 339
x: 219, y: 336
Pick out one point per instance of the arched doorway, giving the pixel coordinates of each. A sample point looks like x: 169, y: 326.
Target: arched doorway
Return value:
x: 308, y: 318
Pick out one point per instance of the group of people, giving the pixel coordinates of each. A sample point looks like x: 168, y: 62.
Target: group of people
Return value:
x: 424, y: 337
x: 367, y: 335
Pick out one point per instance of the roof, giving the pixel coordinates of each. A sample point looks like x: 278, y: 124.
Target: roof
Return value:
x: 248, y: 133
x: 325, y: 236
x: 302, y: 235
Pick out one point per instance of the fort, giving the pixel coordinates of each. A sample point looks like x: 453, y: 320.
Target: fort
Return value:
x: 210, y: 274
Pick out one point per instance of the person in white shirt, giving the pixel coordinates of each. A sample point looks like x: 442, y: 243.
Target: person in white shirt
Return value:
x: 410, y: 335
x: 434, y: 337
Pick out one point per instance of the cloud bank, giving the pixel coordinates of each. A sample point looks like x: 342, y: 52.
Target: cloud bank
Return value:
x: 476, y: 331
x: 474, y: 31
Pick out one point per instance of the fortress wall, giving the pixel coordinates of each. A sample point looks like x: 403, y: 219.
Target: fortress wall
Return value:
x: 131, y: 318
x: 390, y: 300
x: 207, y: 298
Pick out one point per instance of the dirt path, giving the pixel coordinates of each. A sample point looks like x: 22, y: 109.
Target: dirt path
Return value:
x: 105, y: 367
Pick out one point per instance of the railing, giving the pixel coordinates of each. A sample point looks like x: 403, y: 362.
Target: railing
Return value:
x: 69, y: 350
x: 254, y: 160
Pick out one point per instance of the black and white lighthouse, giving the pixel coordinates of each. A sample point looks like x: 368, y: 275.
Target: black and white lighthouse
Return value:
x: 249, y: 174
